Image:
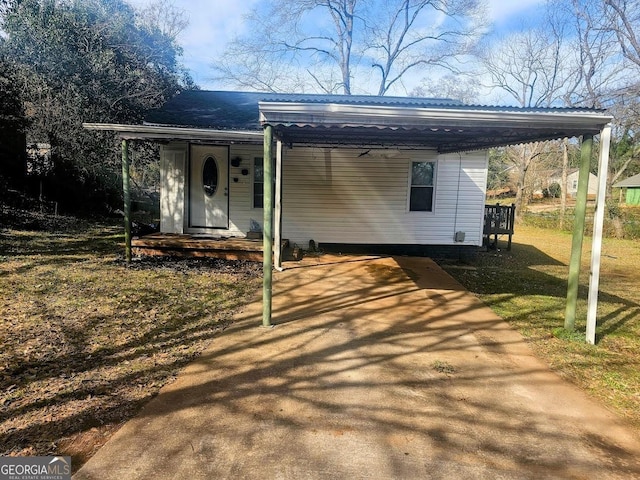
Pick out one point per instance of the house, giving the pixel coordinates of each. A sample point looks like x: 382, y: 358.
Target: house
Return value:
x: 572, y: 182
x: 356, y: 173
x: 362, y: 172
x: 632, y: 187
x: 555, y: 177
x: 348, y: 195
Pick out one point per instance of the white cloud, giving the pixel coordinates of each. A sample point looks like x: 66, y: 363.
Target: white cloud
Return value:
x: 503, y: 11
x: 212, y: 23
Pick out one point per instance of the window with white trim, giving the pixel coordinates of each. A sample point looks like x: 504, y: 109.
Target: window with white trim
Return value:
x: 422, y: 186
x: 258, y: 182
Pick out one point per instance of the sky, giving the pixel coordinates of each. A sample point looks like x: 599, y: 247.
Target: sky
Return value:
x: 212, y: 23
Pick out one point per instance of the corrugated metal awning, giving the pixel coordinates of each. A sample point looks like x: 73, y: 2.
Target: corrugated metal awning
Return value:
x: 442, y: 125
x: 444, y: 129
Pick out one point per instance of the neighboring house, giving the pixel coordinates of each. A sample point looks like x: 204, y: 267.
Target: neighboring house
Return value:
x: 383, y: 174
x: 555, y: 176
x: 632, y: 187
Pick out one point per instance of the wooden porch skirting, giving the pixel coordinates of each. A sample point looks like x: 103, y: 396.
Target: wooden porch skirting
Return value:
x: 197, y: 245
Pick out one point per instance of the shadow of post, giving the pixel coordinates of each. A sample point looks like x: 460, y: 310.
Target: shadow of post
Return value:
x: 349, y: 380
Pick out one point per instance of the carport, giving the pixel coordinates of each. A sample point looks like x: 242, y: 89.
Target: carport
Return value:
x: 378, y: 367
x: 448, y: 130
x: 361, y: 123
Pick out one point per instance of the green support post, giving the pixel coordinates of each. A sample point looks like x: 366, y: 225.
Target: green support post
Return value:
x: 578, y: 233
x: 267, y: 229
x: 127, y: 200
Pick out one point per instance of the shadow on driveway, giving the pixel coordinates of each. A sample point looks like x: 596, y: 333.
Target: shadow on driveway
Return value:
x: 376, y: 368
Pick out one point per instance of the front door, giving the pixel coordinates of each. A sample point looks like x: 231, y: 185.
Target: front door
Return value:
x: 209, y: 187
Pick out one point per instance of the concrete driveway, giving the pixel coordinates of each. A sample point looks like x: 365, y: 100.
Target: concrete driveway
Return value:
x: 377, y: 368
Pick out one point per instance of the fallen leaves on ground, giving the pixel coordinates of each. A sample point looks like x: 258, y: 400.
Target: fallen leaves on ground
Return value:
x: 86, y: 340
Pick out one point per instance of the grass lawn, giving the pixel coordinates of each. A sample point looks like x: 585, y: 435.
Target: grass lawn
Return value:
x: 527, y: 287
x: 85, y: 340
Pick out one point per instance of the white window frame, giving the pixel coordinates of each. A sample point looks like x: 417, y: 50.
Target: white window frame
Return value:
x: 253, y: 182
x: 422, y: 159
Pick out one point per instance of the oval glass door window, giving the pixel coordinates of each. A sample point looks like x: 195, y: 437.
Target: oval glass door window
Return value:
x: 210, y: 176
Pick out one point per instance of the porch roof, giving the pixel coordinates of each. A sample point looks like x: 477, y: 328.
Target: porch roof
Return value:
x: 446, y: 129
x: 629, y: 182
x: 165, y: 133
x: 355, y: 120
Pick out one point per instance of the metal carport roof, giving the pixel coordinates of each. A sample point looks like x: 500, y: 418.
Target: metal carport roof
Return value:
x: 356, y: 120
x: 443, y: 128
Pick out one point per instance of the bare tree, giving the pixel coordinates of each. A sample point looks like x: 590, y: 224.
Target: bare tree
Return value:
x: 574, y: 59
x: 408, y: 34
x: 332, y: 45
x: 166, y: 17
x: 593, y: 63
x: 293, y: 45
x: 624, y: 17
x: 624, y: 21
x: 607, y: 68
x: 593, y: 60
x: 528, y: 66
x: 459, y: 87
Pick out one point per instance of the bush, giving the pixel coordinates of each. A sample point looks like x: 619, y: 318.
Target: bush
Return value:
x: 554, y: 191
x: 620, y: 222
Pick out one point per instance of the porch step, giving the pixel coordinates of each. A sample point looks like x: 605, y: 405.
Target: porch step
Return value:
x: 179, y: 245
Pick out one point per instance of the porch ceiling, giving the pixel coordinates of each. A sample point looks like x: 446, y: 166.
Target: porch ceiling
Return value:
x: 444, y: 129
x: 443, y: 139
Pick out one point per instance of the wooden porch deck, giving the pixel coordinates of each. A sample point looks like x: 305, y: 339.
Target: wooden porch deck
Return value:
x: 197, y: 245
x: 498, y: 220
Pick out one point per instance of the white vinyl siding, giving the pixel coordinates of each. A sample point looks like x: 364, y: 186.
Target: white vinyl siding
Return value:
x: 242, y: 215
x: 337, y: 195
x: 344, y: 196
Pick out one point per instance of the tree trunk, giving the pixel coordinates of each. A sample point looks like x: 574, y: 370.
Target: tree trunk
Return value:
x: 563, y: 184
x: 523, y: 167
